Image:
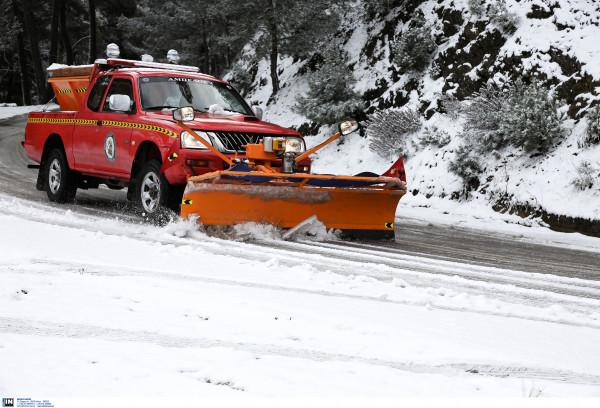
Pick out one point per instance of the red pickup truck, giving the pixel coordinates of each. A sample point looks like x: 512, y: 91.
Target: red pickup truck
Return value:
x: 116, y: 127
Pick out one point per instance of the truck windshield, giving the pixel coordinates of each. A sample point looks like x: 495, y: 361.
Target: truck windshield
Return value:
x: 159, y: 93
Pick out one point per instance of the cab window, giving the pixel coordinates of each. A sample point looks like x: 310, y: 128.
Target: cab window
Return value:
x: 120, y: 86
x: 97, y: 92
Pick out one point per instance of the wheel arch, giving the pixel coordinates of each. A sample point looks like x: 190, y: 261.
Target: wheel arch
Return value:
x: 147, y: 150
x: 52, y: 142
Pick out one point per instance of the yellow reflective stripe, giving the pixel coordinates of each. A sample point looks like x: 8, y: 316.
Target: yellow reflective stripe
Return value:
x: 81, y: 89
x: 65, y: 90
x: 132, y: 125
x: 50, y: 120
x: 140, y: 126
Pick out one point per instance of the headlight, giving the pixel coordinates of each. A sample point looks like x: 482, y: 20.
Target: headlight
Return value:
x: 294, y: 145
x: 287, y: 144
x: 190, y: 142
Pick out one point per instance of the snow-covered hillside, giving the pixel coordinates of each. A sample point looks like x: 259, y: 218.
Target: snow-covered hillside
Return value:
x: 554, y: 41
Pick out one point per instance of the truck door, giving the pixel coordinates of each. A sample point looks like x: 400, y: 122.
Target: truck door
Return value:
x: 87, y: 125
x: 108, y: 141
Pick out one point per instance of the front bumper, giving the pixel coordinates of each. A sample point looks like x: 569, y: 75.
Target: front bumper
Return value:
x: 195, y: 162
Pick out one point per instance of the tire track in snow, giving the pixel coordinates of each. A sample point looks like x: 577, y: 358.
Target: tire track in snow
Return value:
x: 340, y: 258
x: 492, y: 283
x: 85, y: 332
x: 577, y: 318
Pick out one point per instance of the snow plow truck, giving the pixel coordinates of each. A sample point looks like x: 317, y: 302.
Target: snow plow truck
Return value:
x: 180, y: 139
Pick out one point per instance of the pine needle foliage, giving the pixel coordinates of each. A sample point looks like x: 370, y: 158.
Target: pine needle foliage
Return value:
x: 497, y: 12
x: 414, y: 47
x: 466, y: 165
x: 525, y: 116
x: 434, y: 136
x: 483, y: 117
x: 532, y: 118
x: 500, y: 15
x: 389, y: 131
x: 477, y: 7
x: 592, y: 131
x: 330, y: 97
x: 585, y: 177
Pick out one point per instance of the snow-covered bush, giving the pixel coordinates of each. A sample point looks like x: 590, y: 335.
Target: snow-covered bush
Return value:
x: 524, y: 115
x: 466, y: 165
x: 242, y: 78
x: 531, y: 118
x: 330, y: 97
x: 592, y: 131
x: 450, y: 105
x: 389, y: 130
x: 586, y: 175
x: 483, y: 117
x: 414, y: 47
x: 433, y: 136
x: 477, y: 7
x: 498, y: 14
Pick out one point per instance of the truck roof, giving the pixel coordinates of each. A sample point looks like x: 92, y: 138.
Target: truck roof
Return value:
x: 137, y: 71
x: 69, y: 82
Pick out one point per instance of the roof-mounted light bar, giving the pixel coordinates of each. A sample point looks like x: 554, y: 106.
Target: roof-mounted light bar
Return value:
x: 123, y: 63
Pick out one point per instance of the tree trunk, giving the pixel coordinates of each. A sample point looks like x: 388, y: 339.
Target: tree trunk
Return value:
x: 64, y: 34
x: 31, y: 28
x: 272, y: 24
x: 25, y: 84
x: 205, y: 51
x: 92, y: 45
x: 9, y: 91
x: 274, y: 55
x: 52, y: 57
x: 25, y: 81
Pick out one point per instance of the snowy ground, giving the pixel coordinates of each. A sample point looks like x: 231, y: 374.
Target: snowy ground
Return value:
x: 7, y: 112
x: 91, y: 306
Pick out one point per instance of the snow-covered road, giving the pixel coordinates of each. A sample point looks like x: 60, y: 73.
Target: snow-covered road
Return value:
x: 95, y: 303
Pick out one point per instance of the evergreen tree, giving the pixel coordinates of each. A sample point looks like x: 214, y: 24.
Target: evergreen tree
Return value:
x: 290, y: 27
x: 415, y: 45
x: 524, y: 116
x: 592, y: 131
x: 330, y: 97
x: 389, y: 131
x: 531, y: 118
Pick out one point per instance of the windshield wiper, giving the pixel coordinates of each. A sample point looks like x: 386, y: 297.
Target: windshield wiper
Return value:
x: 162, y: 107
x: 226, y: 110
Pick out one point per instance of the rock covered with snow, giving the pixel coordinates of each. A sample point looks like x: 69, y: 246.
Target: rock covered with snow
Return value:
x: 477, y: 43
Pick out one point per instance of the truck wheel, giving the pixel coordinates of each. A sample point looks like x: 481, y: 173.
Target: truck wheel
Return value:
x: 60, y: 179
x: 152, y: 192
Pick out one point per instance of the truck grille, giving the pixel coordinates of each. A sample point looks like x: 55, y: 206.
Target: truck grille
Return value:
x: 233, y: 141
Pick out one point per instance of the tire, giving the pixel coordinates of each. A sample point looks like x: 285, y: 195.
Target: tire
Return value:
x: 152, y: 193
x: 60, y: 180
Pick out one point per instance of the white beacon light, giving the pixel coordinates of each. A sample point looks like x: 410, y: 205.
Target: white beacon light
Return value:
x: 112, y: 50
x: 173, y: 57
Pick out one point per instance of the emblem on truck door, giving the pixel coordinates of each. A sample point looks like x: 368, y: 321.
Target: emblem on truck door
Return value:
x: 110, y: 147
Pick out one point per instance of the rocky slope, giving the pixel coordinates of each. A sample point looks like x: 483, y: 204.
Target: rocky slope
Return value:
x: 554, y: 41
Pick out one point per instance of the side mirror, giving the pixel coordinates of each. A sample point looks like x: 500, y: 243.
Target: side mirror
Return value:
x: 348, y: 127
x: 119, y: 103
x: 184, y: 114
x: 258, y: 112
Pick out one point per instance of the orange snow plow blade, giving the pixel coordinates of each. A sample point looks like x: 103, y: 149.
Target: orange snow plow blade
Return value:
x: 359, y: 206
x: 362, y: 206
